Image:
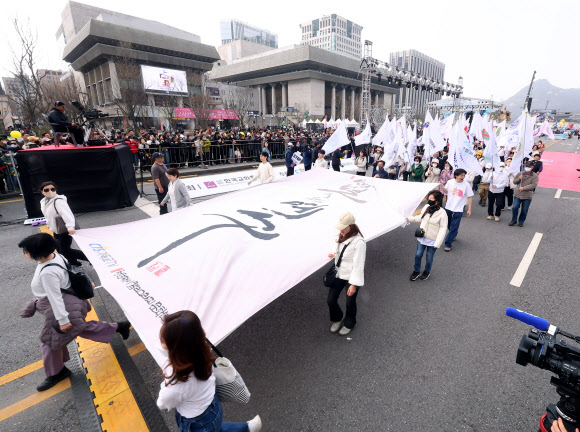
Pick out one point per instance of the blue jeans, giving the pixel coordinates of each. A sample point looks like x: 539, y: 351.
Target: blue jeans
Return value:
x: 211, y: 420
x: 516, y: 208
x: 454, y: 219
x: 428, y: 259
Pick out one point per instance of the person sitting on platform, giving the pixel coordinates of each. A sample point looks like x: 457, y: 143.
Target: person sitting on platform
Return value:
x: 60, y: 123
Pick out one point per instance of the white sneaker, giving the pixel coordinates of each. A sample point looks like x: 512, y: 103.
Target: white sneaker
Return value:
x: 497, y: 218
x: 509, y: 208
x: 344, y: 331
x: 255, y: 425
x: 490, y: 218
x: 335, y: 327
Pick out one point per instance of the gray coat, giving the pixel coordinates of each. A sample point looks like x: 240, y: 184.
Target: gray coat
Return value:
x: 181, y: 196
x: 51, y: 334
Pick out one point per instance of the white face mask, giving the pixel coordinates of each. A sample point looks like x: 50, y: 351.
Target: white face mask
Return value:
x: 49, y: 194
x: 528, y: 169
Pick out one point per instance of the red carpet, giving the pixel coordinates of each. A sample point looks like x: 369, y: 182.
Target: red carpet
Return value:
x: 560, y: 171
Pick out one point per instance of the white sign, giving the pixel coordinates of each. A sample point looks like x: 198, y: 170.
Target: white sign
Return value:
x: 229, y: 182
x: 297, y: 158
x: 164, y: 80
x: 221, y: 258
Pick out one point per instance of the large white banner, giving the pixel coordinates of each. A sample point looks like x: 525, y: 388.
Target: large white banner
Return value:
x: 227, y: 258
x: 228, y: 182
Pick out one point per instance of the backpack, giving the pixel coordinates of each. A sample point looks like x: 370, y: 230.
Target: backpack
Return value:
x: 81, y: 285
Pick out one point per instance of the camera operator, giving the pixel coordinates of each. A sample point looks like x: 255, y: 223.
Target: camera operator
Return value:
x: 60, y: 122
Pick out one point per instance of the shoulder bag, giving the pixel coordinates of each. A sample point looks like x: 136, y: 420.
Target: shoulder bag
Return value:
x: 330, y: 277
x: 229, y: 385
x: 60, y: 224
x: 81, y: 285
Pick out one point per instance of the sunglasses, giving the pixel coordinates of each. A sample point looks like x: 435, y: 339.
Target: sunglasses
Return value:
x: 49, y: 190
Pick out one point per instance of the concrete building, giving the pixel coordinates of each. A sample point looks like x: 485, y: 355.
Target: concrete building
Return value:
x: 423, y: 65
x: 118, y: 54
x: 305, y: 78
x: 5, y: 111
x: 48, y: 76
x: 334, y: 33
x: 239, y: 49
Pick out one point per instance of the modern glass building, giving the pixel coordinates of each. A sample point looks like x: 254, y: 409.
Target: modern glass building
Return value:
x: 232, y: 30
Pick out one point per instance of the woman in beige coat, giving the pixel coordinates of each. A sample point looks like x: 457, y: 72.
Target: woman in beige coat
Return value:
x: 433, y: 229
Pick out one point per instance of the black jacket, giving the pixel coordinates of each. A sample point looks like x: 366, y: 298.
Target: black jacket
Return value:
x: 55, y: 117
x: 336, y: 157
x: 537, y: 166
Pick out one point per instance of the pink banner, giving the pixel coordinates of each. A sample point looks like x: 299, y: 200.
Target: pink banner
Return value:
x: 183, y: 113
x: 223, y: 115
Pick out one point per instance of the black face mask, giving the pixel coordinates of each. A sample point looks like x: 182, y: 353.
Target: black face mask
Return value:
x: 431, y: 202
x: 381, y: 168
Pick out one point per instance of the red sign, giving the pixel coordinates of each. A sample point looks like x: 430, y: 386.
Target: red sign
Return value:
x: 183, y: 113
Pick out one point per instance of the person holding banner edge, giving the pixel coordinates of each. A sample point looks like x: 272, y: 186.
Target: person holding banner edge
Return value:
x: 351, y: 246
x: 189, y: 383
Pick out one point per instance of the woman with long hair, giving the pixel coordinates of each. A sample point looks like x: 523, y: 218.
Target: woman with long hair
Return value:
x: 352, y: 246
x: 189, y: 384
x: 361, y: 164
x: 433, y: 228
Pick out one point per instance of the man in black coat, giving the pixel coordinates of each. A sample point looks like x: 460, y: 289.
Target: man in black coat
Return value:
x: 59, y: 121
x: 336, y: 159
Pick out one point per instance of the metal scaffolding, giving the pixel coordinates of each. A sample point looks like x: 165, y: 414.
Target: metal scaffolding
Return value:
x: 367, y: 66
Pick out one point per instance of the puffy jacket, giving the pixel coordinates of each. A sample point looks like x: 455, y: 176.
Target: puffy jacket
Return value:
x: 435, y: 225
x: 500, y: 180
x: 432, y: 176
x: 352, y: 266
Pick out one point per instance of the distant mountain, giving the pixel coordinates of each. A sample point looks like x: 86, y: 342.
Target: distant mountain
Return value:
x: 542, y: 92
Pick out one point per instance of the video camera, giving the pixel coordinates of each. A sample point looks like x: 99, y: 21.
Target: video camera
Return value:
x: 542, y: 348
x: 89, y: 114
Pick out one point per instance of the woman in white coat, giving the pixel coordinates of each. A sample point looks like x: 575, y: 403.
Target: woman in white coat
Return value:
x: 177, y: 193
x: 350, y: 274
x: 51, y: 206
x: 433, y: 226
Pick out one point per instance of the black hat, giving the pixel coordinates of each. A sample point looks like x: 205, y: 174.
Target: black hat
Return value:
x: 156, y: 155
x: 58, y: 103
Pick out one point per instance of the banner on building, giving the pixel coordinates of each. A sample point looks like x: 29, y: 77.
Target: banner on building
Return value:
x: 227, y: 258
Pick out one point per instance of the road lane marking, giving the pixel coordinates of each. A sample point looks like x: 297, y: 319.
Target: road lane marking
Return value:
x: 520, y: 273
x: 38, y: 397
x: 16, y: 200
x: 20, y: 372
x: 558, y: 193
x: 30, y: 401
x: 147, y: 207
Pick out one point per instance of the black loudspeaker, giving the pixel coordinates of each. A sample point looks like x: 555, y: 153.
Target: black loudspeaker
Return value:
x: 92, y: 178
x: 530, y: 105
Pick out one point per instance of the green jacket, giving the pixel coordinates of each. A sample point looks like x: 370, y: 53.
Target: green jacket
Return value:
x: 417, y: 172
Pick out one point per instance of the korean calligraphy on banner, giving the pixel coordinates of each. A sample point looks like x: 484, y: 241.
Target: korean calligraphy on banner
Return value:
x: 209, y: 258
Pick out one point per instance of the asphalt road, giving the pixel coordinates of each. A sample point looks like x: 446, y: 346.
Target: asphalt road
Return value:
x: 434, y: 355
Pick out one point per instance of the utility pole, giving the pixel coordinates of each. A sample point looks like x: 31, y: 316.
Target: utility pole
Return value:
x: 528, y: 95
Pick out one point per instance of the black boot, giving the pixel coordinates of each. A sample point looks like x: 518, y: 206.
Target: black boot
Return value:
x: 53, y: 380
x: 124, y: 328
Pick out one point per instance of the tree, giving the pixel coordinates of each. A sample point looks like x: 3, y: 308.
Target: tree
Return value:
x: 25, y: 90
x: 238, y: 99
x: 198, y: 100
x: 129, y: 95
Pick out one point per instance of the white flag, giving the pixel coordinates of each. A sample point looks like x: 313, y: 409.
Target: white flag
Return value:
x: 524, y: 128
x: 382, y: 136
x: 546, y: 130
x: 461, y: 152
x: 364, y: 137
x: 490, y: 154
x: 338, y: 139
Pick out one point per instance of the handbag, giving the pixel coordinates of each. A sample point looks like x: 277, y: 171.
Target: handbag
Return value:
x: 229, y: 385
x: 60, y: 224
x: 419, y: 232
x: 81, y: 285
x: 330, y: 278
